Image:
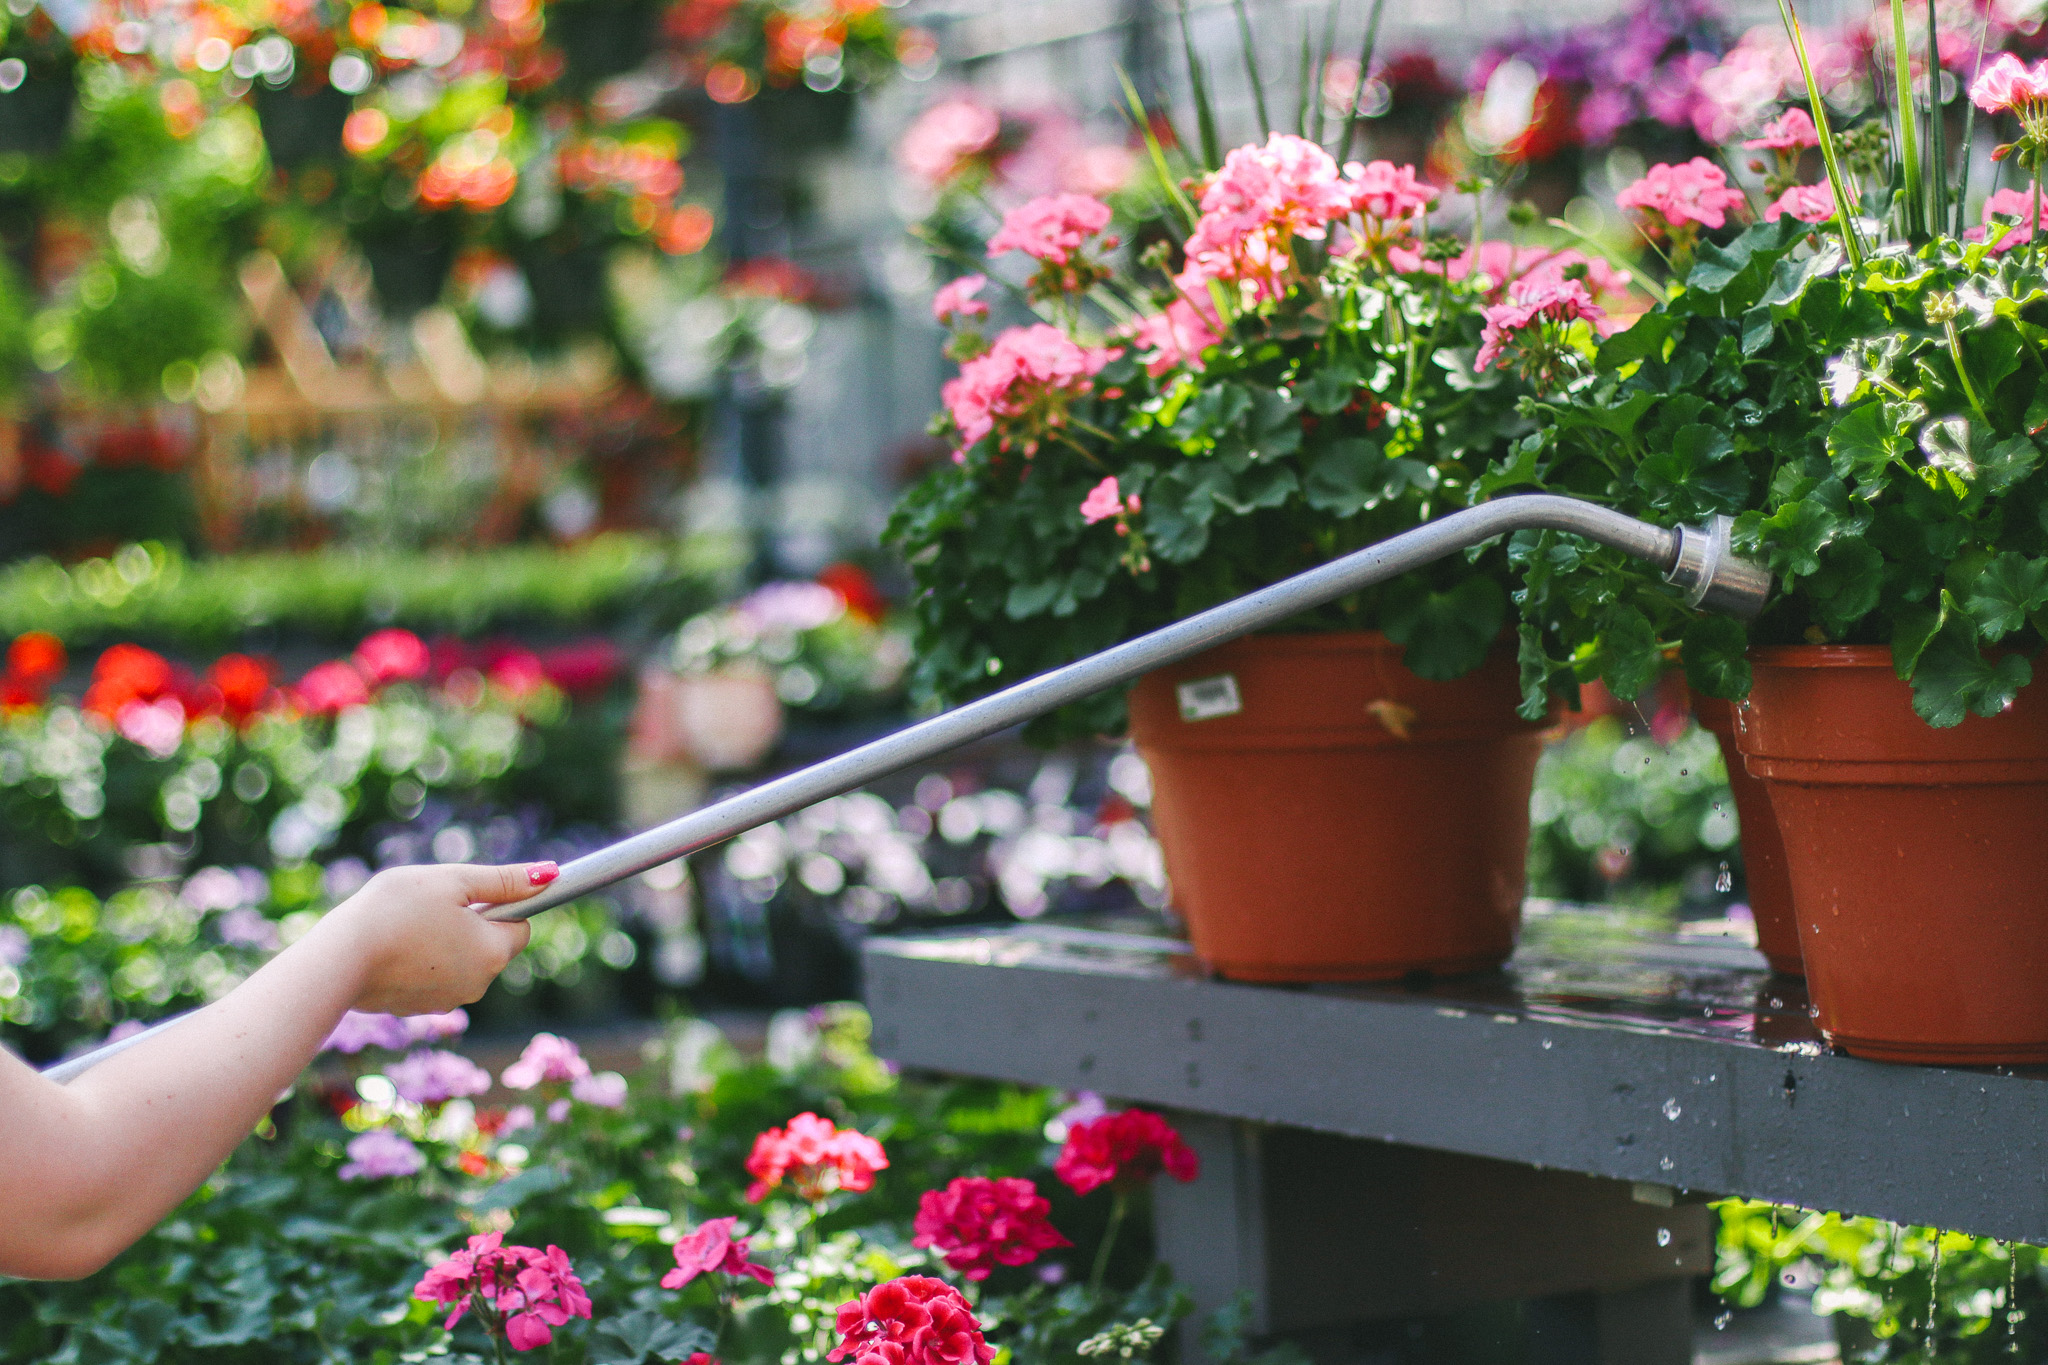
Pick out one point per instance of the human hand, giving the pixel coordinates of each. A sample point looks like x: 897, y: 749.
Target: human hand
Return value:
x: 418, y: 941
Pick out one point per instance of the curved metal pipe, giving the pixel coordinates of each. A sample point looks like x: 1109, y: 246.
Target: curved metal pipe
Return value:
x: 1696, y: 560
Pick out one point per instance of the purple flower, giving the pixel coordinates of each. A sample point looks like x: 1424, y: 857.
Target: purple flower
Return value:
x: 381, y: 1154
x: 606, y: 1090
x: 517, y: 1117
x: 558, y: 1111
x: 243, y: 927
x: 791, y: 606
x: 13, y: 946
x: 358, y: 1030
x: 427, y: 1077
x: 432, y: 1028
x: 547, y: 1058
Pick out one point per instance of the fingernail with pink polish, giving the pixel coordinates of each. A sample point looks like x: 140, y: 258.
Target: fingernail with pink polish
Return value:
x: 540, y: 874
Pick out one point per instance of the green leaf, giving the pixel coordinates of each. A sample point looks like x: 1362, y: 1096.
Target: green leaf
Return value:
x: 1714, y: 651
x: 1345, y: 476
x: 1330, y: 391
x: 2001, y: 595
x: 1448, y: 634
x: 1757, y: 330
x: 1913, y: 625
x: 1629, y: 643
x: 1029, y: 598
x: 529, y: 1183
x: 1845, y: 589
x: 1861, y: 444
x: 629, y: 1338
x: 1641, y: 339
x: 2008, y: 462
x: 1953, y: 678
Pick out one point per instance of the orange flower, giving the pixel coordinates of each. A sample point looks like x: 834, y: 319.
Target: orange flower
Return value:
x: 124, y: 674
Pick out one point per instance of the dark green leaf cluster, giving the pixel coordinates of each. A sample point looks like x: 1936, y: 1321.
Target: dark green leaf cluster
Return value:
x: 1873, y: 430
x: 1314, y: 429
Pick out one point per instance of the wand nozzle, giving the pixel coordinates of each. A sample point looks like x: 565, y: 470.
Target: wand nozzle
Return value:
x: 1697, y: 560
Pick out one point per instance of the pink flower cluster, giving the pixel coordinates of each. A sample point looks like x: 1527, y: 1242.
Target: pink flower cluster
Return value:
x: 546, y: 1058
x: 956, y: 299
x: 947, y: 138
x: 1178, y: 334
x: 1259, y: 202
x: 1505, y: 264
x: 981, y: 1223
x: 1529, y: 304
x: 816, y: 1155
x: 912, y: 1320
x: 1807, y: 203
x: 1126, y: 1148
x: 2009, y: 86
x: 1027, y: 376
x: 1050, y: 228
x: 358, y: 1030
x: 381, y: 1154
x: 2010, y: 205
x: 1106, y: 500
x: 523, y: 1292
x: 1696, y: 191
x: 712, y: 1249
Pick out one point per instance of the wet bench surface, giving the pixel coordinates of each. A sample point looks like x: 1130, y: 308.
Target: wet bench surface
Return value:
x: 1651, y: 1058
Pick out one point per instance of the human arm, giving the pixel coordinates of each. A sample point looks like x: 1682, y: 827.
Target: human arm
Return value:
x: 88, y: 1167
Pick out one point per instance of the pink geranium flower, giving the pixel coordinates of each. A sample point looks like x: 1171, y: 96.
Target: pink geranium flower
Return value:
x: 605, y: 1090
x: 1696, y: 191
x: 947, y: 138
x: 911, y: 1320
x: 1807, y: 203
x: 428, y: 1077
x: 520, y: 1293
x: 547, y: 1058
x: 1386, y: 191
x: 2008, y: 86
x: 979, y: 1224
x: 816, y: 1155
x: 1546, y: 305
x: 1790, y: 131
x: 331, y: 688
x: 712, y: 1249
x: 1051, y: 227
x: 1129, y: 1148
x: 2010, y: 205
x: 381, y: 1154
x: 1105, y: 500
x: 1026, y: 378
x: 391, y: 656
x: 955, y: 299
x: 1258, y: 203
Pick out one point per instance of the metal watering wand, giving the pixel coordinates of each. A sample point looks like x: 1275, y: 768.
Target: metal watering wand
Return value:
x: 1697, y: 560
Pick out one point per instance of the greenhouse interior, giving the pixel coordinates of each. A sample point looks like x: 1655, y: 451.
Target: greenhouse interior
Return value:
x: 939, y: 682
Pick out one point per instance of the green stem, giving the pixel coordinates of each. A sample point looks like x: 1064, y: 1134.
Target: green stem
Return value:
x: 1955, y: 350
x: 1116, y: 1222
x: 1828, y: 151
x: 1909, y: 139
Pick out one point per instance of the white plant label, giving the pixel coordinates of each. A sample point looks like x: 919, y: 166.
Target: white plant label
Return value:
x: 1209, y: 698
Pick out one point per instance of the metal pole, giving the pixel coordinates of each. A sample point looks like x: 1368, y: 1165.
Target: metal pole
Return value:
x: 1698, y: 561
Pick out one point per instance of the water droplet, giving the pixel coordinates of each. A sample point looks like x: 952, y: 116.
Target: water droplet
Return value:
x: 1546, y: 1045
x: 1671, y: 1110
x: 1685, y: 772
x: 1776, y: 1003
x: 1724, y: 881
x: 1721, y: 1321
x: 1664, y: 1163
x: 1663, y: 1237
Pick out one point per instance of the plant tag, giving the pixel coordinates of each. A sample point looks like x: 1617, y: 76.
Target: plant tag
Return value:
x: 1209, y: 698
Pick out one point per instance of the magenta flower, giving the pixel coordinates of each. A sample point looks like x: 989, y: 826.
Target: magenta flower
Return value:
x: 520, y: 1293
x: 428, y: 1077
x: 606, y: 1090
x: 956, y: 300
x: 979, y: 1224
x: 1807, y: 203
x: 547, y: 1058
x: 712, y: 1249
x: 1051, y: 227
x: 1696, y: 191
x: 331, y: 688
x: 910, y: 1320
x: 2007, y: 86
x: 1790, y: 131
x: 381, y: 1154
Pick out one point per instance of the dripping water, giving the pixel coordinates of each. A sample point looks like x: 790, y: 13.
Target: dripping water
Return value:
x: 1933, y: 1292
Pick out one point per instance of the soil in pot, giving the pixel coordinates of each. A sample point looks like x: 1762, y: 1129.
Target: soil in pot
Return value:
x: 1763, y: 848
x: 1326, y: 815
x: 1918, y: 858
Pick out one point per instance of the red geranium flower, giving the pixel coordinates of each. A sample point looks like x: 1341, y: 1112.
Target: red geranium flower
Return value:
x: 712, y: 1249
x: 245, y: 685
x: 1127, y: 1148
x: 912, y: 1320
x: 981, y: 1223
x: 817, y: 1155
x: 856, y: 587
x: 36, y: 657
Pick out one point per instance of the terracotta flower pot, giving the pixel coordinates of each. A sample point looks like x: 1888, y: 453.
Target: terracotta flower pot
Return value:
x: 1326, y: 815
x: 1918, y: 857
x: 1763, y: 848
